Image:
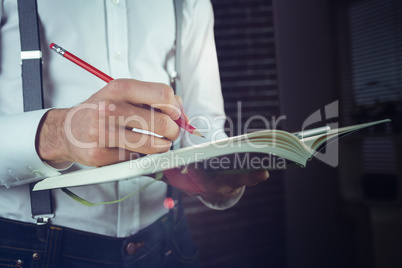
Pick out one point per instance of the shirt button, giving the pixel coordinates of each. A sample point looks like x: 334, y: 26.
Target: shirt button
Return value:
x: 118, y: 55
x: 116, y: 2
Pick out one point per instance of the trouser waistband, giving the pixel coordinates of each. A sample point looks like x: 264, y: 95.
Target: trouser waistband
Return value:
x: 86, y: 246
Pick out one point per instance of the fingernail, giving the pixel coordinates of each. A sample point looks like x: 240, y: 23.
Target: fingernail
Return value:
x: 184, y: 170
x: 177, y: 113
x: 185, y: 116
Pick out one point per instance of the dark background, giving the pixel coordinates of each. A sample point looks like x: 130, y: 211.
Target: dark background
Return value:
x: 292, y: 58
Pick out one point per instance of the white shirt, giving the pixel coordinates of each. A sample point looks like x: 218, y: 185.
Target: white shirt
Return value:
x: 125, y: 39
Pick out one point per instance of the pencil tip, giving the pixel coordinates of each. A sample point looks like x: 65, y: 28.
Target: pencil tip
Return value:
x: 197, y: 133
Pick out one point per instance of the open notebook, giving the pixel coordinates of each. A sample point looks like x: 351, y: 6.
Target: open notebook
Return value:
x: 227, y: 155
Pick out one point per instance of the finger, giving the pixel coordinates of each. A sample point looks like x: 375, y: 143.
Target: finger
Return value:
x: 257, y: 177
x: 116, y: 155
x: 150, y: 120
x: 201, y: 178
x: 176, y: 178
x: 106, y: 156
x: 247, y: 179
x: 157, y: 95
x: 213, y: 186
x: 183, y: 114
x: 140, y: 143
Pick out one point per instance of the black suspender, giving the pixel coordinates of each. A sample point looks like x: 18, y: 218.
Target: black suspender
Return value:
x: 178, y: 8
x: 31, y: 68
x: 174, y: 192
x: 31, y: 65
x: 31, y: 55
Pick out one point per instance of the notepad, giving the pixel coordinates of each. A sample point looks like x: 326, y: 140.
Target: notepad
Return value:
x: 265, y: 149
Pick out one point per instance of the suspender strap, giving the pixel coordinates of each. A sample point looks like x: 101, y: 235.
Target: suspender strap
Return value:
x: 31, y: 68
x: 173, y: 192
x: 178, y: 8
x: 31, y: 56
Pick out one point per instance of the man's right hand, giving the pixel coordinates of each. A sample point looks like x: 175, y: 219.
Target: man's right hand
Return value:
x: 99, y: 131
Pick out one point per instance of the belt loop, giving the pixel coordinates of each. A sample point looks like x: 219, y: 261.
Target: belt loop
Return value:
x: 52, y: 250
x: 168, y: 224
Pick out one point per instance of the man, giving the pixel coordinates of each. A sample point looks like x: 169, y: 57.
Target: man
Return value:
x: 126, y: 39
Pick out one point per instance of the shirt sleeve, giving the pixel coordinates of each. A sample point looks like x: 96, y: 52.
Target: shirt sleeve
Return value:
x: 202, y: 94
x: 20, y: 163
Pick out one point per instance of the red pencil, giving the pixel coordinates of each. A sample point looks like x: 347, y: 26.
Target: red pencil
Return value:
x: 180, y: 122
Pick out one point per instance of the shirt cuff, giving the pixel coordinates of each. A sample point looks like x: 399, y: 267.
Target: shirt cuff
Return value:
x: 20, y: 163
x: 222, y: 205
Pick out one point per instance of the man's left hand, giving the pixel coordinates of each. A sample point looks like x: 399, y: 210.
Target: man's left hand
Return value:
x: 212, y: 188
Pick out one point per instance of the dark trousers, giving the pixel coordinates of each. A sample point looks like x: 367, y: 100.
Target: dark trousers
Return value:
x: 165, y: 243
